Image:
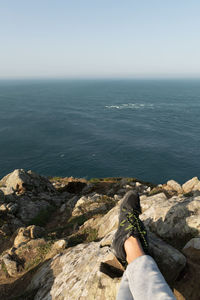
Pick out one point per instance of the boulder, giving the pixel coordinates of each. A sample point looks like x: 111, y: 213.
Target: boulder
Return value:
x: 25, y: 234
x: 20, y: 181
x: 172, y: 185
x: 147, y: 202
x: 190, y: 184
x: 175, y: 220
x: 75, y: 274
x: 170, y: 261
x: 93, y: 203
x: 196, y: 187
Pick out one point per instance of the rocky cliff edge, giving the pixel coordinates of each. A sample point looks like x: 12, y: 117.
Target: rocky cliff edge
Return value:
x: 55, y: 235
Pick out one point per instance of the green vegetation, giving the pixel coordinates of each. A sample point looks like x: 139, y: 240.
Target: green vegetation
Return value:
x: 86, y: 236
x: 190, y: 194
x: 156, y: 190
x: 94, y: 180
x: 79, y: 220
x: 55, y: 178
x: 3, y: 267
x: 108, y: 201
x: 41, y: 253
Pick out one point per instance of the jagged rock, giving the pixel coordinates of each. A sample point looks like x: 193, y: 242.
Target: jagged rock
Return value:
x: 170, y: 261
x: 92, y: 203
x: 9, y: 207
x: 25, y: 234
x: 175, y: 219
x: 108, y: 239
x: 19, y: 181
x: 61, y: 244
x: 56, y: 248
x: 3, y: 208
x: 192, y: 249
x: 172, y: 185
x: 109, y: 222
x: 111, y: 266
x: 75, y: 275
x: 148, y: 189
x: 10, y: 264
x: 147, y: 202
x: 29, y: 209
x: 72, y: 202
x: 196, y: 187
x: 190, y: 184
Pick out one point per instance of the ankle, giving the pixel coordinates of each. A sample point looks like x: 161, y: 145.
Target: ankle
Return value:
x: 133, y: 249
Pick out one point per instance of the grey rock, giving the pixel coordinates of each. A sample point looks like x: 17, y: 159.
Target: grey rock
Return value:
x: 170, y: 261
x: 29, y: 209
x: 25, y: 234
x: 196, y: 187
x: 19, y: 181
x: 172, y: 185
x: 10, y: 264
x: 109, y: 222
x: 75, y: 275
x: 175, y: 219
x: 72, y: 202
x: 91, y: 203
x: 147, y: 202
x: 12, y: 207
x: 189, y: 185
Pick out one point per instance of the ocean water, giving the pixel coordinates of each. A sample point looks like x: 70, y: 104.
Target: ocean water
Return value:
x: 149, y: 129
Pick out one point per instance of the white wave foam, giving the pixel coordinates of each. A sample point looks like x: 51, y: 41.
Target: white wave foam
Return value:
x: 130, y: 106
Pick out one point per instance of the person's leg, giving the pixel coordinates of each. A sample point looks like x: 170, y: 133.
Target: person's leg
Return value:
x: 124, y: 292
x: 131, y: 244
x: 144, y: 278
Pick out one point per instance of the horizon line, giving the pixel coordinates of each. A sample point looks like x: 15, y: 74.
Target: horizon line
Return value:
x: 102, y: 78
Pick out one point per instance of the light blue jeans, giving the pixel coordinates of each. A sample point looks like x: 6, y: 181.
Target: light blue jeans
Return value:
x: 142, y: 280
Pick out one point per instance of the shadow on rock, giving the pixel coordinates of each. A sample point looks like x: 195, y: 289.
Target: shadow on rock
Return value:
x: 16, y: 289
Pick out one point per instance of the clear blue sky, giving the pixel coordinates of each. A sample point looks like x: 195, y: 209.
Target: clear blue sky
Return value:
x: 99, y: 38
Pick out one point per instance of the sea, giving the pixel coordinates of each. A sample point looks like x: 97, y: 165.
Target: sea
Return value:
x: 95, y: 128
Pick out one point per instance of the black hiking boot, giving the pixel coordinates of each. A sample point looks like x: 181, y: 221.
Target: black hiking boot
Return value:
x: 129, y: 225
